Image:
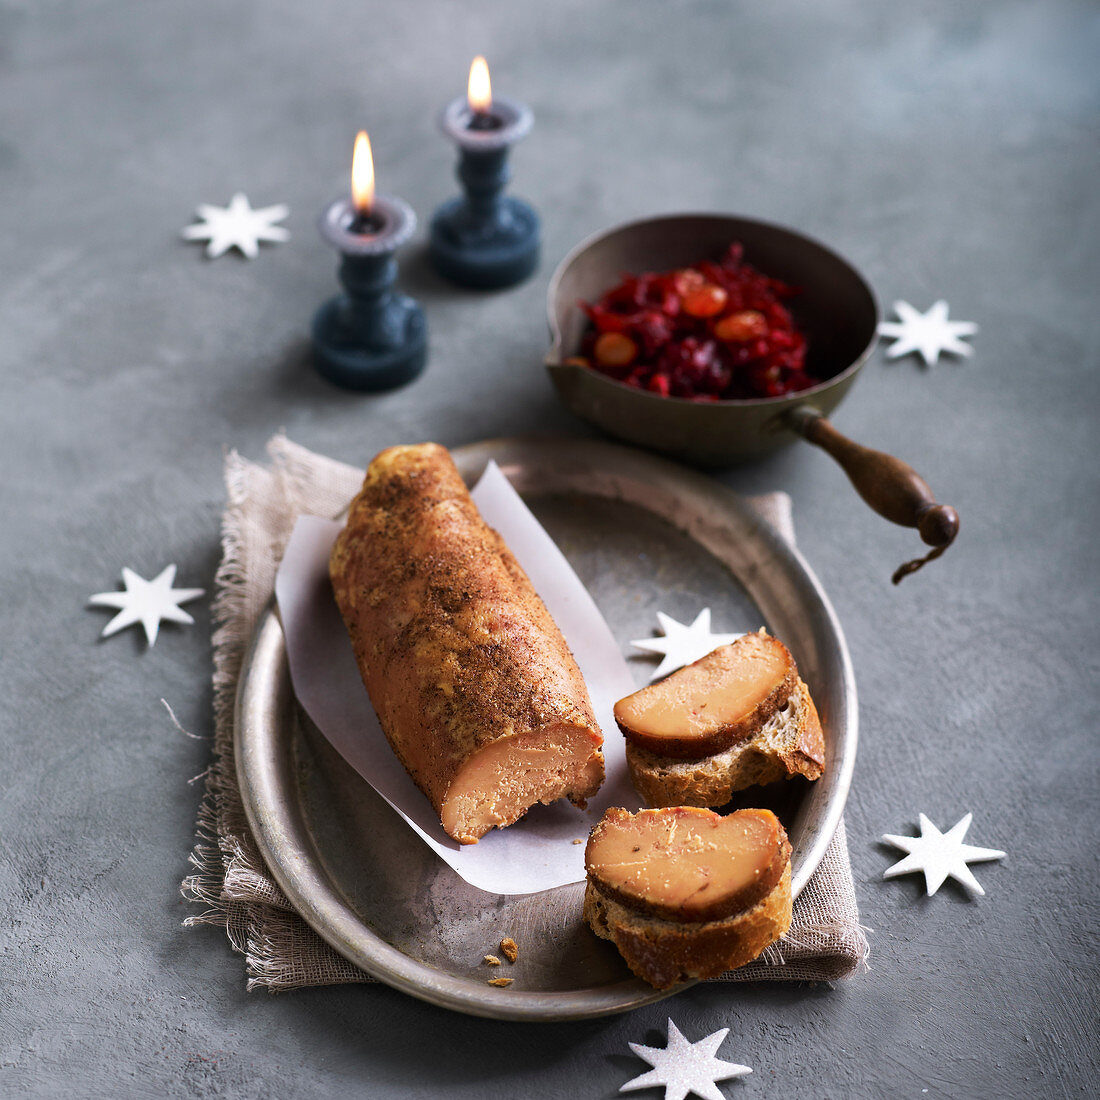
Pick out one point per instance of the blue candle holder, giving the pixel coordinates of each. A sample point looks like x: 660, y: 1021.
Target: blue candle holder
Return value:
x: 371, y: 337
x: 484, y: 239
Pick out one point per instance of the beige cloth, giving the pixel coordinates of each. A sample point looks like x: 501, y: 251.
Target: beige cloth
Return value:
x: 231, y: 881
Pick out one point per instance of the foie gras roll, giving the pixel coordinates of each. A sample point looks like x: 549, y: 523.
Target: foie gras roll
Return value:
x: 473, y: 683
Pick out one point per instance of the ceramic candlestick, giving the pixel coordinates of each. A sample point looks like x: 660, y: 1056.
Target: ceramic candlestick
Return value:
x: 371, y: 337
x: 484, y: 239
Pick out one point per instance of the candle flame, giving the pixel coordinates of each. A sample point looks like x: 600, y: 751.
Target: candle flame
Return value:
x: 479, y: 92
x: 362, y: 174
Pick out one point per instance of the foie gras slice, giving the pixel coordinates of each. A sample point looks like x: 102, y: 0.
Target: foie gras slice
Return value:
x: 472, y: 681
x: 499, y: 782
x: 687, y: 864
x: 706, y: 707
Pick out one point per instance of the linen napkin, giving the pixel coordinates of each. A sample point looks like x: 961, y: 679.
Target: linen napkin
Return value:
x: 230, y: 880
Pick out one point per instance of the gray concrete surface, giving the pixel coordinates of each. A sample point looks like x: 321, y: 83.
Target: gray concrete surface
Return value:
x: 950, y: 150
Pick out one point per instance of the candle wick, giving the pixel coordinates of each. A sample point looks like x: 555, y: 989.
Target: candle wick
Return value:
x: 365, y: 222
x: 485, y: 120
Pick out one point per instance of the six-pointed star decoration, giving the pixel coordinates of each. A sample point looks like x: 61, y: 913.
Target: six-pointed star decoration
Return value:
x: 237, y: 226
x: 146, y: 602
x: 940, y: 855
x: 684, y: 1067
x: 931, y: 334
x: 681, y: 643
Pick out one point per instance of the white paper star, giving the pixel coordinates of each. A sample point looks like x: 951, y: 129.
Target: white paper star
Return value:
x: 939, y: 855
x: 237, y: 226
x: 146, y: 602
x: 681, y: 644
x: 684, y: 1067
x: 930, y: 334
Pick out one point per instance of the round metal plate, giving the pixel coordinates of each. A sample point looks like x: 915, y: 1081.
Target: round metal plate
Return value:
x: 644, y: 535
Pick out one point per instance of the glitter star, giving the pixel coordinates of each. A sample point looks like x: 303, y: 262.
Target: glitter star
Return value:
x: 940, y: 855
x: 684, y: 1067
x: 682, y: 644
x: 146, y: 602
x: 931, y: 334
x: 237, y: 226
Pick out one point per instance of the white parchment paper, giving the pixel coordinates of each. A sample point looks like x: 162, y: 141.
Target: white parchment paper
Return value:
x: 536, y: 853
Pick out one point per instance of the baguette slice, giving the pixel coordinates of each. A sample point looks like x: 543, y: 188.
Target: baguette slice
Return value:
x: 685, y: 893
x: 789, y: 743
x: 739, y: 717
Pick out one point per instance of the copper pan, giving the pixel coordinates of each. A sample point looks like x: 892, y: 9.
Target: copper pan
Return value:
x: 836, y: 309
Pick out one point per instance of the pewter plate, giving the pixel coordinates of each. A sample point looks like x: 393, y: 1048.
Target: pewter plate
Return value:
x: 644, y: 535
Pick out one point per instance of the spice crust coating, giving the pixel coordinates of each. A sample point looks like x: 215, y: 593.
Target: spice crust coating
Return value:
x: 456, y: 649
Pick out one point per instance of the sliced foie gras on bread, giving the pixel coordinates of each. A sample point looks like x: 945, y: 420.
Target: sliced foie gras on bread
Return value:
x: 473, y: 683
x: 685, y: 893
x: 705, y: 707
x: 739, y: 717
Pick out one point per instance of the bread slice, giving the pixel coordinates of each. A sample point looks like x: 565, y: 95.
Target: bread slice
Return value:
x: 789, y: 742
x: 697, y: 894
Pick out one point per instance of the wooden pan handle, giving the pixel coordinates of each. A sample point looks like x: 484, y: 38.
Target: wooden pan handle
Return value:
x: 891, y: 487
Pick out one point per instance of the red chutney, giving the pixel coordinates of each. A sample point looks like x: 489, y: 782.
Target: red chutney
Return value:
x: 712, y: 332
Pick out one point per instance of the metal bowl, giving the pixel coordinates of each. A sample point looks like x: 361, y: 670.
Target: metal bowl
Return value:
x: 836, y: 309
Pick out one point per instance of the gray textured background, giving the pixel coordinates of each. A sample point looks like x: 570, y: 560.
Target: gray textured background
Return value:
x: 950, y: 150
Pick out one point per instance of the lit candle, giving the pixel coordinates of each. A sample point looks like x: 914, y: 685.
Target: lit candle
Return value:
x: 479, y: 96
x: 362, y: 186
x: 483, y: 238
x: 370, y: 337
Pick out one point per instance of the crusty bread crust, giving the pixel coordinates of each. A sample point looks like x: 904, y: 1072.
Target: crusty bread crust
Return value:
x: 664, y: 952
x: 790, y: 743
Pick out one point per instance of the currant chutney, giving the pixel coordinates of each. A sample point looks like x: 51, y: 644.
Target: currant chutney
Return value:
x: 716, y: 331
